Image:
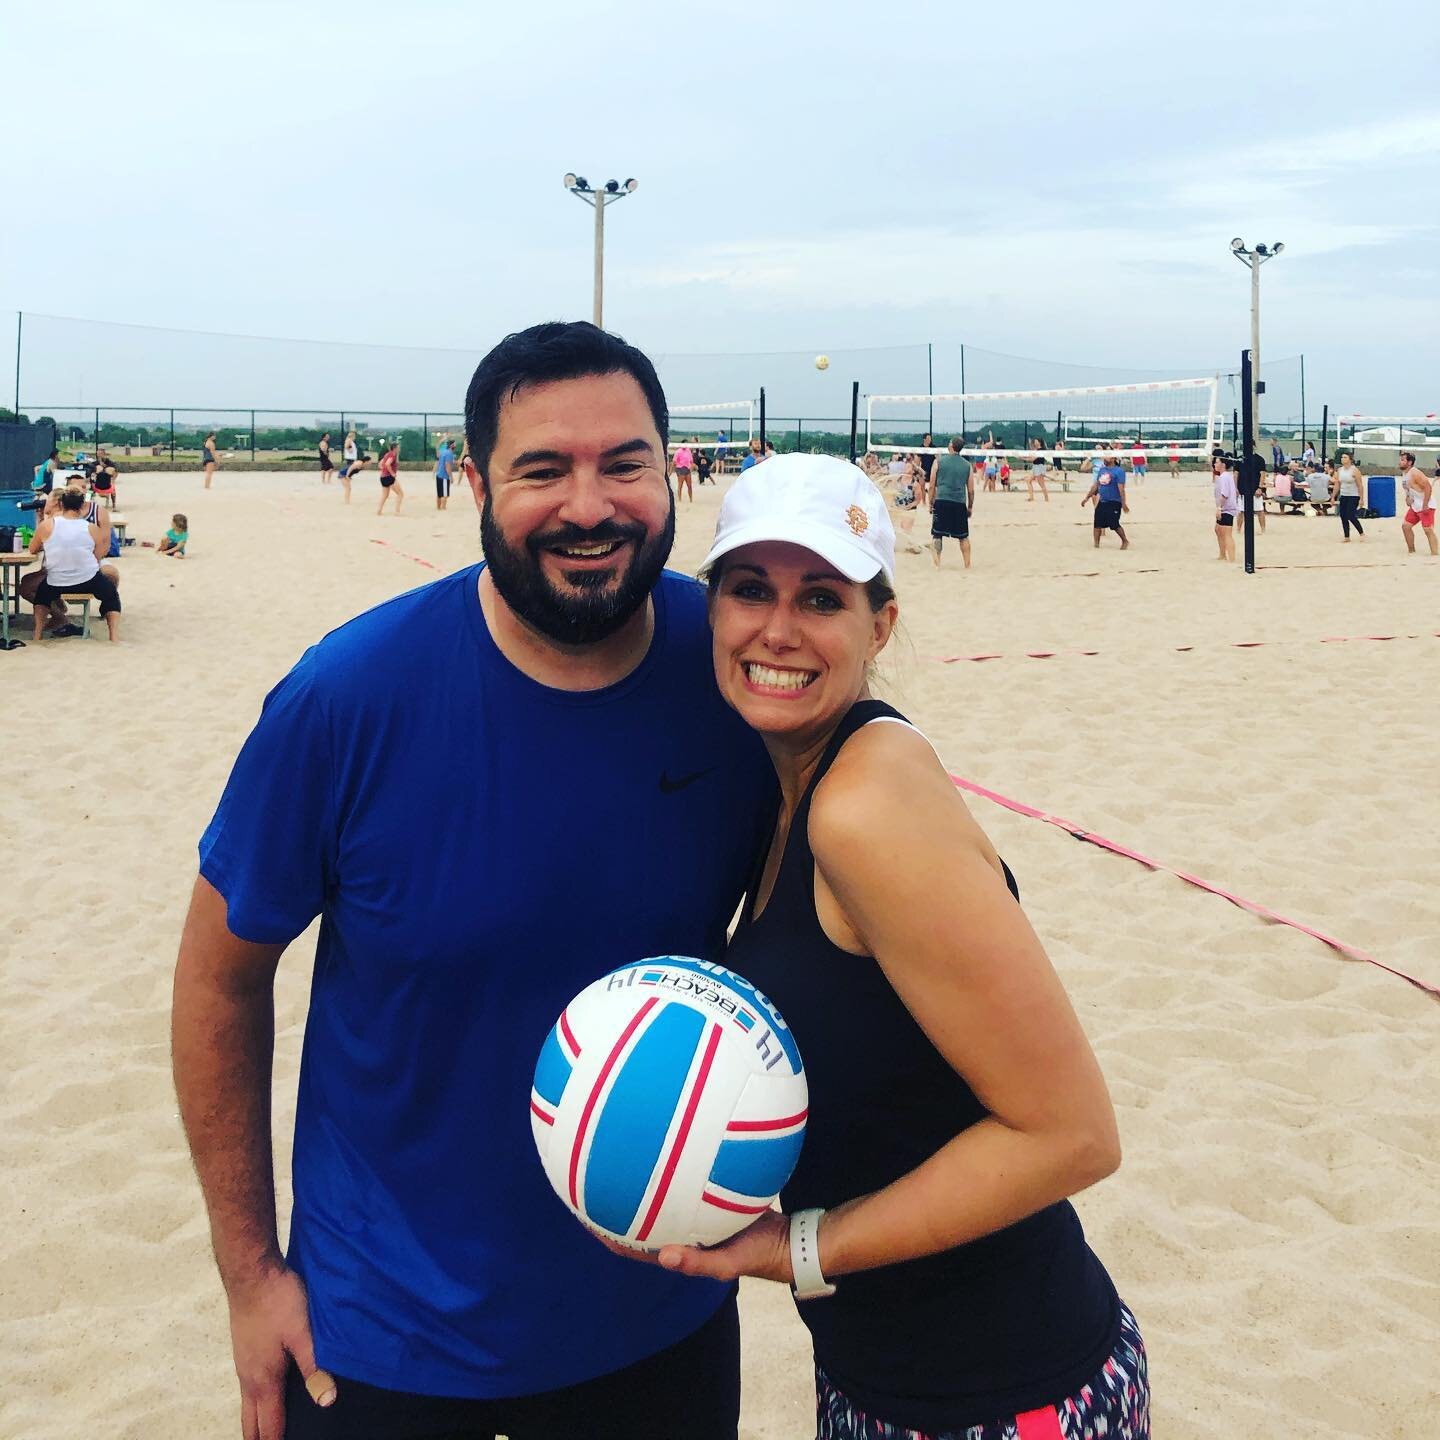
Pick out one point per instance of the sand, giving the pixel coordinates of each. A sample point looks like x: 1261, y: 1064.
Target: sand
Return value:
x: 1273, y: 1223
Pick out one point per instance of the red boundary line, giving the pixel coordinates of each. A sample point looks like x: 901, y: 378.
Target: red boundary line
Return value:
x: 405, y: 554
x: 1264, y: 912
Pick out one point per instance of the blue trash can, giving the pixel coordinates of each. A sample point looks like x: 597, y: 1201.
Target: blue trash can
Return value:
x: 1380, y: 495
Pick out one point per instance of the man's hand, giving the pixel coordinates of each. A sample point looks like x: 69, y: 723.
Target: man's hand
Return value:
x: 269, y: 1323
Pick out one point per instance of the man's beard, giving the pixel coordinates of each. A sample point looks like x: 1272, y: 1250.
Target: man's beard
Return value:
x: 604, y: 603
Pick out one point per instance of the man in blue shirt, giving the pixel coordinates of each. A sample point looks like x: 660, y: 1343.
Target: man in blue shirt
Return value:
x: 603, y: 805
x: 1107, y: 490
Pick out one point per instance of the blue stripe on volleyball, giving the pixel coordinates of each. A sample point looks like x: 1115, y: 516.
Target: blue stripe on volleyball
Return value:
x: 630, y: 1133
x: 757, y: 1167
x: 552, y: 1069
x: 769, y: 1015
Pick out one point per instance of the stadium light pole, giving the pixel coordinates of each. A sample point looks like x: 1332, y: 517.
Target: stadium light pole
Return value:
x: 1254, y: 259
x: 598, y: 198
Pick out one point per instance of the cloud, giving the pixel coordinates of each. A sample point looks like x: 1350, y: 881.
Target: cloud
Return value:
x: 927, y: 265
x: 1258, y: 178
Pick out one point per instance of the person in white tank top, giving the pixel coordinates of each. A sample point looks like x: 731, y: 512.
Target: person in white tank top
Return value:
x: 1419, y: 502
x: 72, y: 548
x: 1349, y: 496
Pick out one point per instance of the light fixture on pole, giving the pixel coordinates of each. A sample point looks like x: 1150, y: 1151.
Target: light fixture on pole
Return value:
x: 598, y: 198
x: 1254, y: 259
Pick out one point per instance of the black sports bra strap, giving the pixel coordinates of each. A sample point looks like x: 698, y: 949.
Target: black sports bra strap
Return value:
x: 791, y: 871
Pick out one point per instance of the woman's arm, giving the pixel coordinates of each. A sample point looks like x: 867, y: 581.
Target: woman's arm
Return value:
x: 963, y: 958
x: 41, y: 535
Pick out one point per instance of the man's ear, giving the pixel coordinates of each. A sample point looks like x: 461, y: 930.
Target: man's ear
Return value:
x: 476, y: 482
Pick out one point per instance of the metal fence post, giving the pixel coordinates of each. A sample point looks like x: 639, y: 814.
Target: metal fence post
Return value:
x: 172, y: 436
x: 1302, y: 400
x: 252, y: 437
x: 425, y: 436
x: 97, y: 427
x: 799, y: 435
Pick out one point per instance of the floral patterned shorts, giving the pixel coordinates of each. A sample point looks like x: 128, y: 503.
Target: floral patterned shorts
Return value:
x: 1115, y: 1405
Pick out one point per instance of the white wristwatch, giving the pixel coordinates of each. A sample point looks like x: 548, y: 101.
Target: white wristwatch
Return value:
x: 809, y: 1282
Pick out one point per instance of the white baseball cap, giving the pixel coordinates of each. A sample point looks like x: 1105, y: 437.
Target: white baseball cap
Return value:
x: 827, y: 505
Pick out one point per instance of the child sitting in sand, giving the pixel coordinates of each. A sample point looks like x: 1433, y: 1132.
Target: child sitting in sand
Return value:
x: 175, y: 537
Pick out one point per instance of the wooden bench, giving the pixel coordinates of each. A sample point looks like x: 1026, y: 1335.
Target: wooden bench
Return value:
x: 1285, y: 504
x: 118, y: 523
x: 83, y: 601
x: 1295, y: 504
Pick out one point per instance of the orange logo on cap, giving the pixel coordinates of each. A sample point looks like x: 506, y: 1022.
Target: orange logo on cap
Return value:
x: 857, y: 519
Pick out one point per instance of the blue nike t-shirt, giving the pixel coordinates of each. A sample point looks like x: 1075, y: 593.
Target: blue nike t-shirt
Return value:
x: 479, y: 847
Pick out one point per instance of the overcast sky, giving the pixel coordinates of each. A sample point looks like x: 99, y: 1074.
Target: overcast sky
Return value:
x: 1041, y: 179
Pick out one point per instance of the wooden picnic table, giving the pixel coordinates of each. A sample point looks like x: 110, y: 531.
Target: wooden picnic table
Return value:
x: 10, y: 566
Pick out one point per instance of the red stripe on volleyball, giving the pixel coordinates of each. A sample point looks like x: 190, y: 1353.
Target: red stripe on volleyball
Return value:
x: 569, y: 1034
x: 539, y: 1114
x: 724, y: 1204
x: 784, y: 1124
x: 682, y: 1134
x: 594, y: 1096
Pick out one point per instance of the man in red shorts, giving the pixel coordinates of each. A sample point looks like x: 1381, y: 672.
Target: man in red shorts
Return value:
x: 1419, y: 501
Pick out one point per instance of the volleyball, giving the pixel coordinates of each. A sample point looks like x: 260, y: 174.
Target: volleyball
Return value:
x: 822, y: 362
x: 669, y: 1104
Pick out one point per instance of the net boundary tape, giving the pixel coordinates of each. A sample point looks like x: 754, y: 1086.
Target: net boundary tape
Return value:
x: 1078, y: 832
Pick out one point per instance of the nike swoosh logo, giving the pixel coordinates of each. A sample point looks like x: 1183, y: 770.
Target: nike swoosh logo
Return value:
x: 669, y: 786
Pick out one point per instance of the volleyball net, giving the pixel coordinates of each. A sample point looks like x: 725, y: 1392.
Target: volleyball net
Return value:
x: 1178, y: 416
x: 718, y: 425
x: 1381, y: 438
x: 149, y: 387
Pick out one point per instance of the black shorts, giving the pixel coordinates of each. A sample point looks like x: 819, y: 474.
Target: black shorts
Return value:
x: 1225, y: 520
x: 1107, y: 514
x: 101, y: 586
x: 689, y: 1392
x: 325, y: 465
x: 442, y: 487
x: 950, y: 519
x: 388, y: 480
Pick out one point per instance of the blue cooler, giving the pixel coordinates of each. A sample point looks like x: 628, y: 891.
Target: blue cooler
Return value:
x: 1380, y: 495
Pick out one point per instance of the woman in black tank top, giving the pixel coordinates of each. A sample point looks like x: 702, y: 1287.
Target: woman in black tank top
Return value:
x: 955, y: 1103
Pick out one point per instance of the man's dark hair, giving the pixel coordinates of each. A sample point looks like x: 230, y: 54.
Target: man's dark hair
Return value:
x: 556, y: 350
x: 71, y: 500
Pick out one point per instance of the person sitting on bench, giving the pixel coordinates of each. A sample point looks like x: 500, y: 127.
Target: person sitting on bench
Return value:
x: 73, y: 548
